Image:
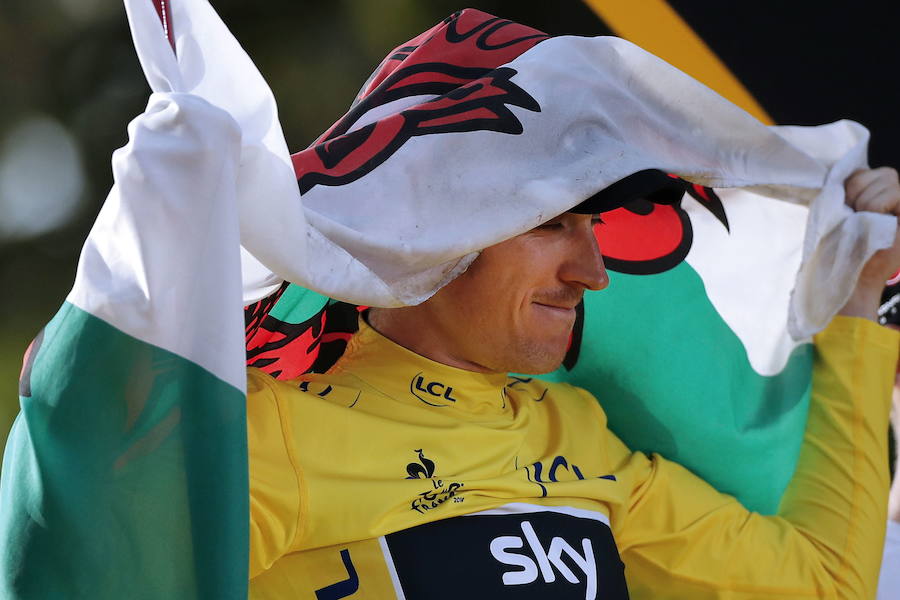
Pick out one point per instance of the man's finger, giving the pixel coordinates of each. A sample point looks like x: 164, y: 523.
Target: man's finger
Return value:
x: 875, y: 190
x: 858, y: 182
x: 879, y: 197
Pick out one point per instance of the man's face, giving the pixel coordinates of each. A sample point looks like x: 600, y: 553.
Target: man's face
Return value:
x: 514, y: 308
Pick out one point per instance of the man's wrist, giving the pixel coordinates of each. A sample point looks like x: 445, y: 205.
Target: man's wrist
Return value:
x: 864, y: 302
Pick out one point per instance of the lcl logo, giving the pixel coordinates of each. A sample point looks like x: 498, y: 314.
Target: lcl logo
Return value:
x: 428, y: 391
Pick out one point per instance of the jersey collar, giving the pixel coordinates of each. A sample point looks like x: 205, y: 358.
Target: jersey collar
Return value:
x: 413, y: 379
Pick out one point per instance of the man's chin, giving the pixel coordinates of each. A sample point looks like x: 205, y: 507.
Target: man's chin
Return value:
x: 541, y: 361
x: 540, y: 370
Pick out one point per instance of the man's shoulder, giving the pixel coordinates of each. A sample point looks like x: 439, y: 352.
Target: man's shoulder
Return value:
x: 308, y: 387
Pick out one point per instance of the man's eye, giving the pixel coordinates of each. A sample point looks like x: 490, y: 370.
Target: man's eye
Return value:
x: 550, y: 225
x: 597, y: 221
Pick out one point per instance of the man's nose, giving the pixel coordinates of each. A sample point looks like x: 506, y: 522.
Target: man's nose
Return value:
x: 585, y: 265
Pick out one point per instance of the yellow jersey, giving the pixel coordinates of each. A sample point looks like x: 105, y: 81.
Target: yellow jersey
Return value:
x: 393, y: 476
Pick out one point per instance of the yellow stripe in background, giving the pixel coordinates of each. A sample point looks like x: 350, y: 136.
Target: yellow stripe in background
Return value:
x: 656, y: 27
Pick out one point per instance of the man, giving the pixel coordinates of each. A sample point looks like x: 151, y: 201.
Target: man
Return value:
x: 417, y: 468
x: 130, y: 395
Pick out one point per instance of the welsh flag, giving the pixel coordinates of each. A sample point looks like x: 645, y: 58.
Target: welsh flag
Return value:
x: 697, y: 350
x: 125, y: 475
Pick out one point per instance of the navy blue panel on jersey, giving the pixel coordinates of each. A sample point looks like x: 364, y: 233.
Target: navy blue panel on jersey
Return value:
x: 509, y: 556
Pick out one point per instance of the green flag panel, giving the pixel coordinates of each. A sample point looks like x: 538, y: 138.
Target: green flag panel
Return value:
x: 125, y: 474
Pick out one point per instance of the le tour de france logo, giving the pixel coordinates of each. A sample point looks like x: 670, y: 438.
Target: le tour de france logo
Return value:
x: 439, y: 492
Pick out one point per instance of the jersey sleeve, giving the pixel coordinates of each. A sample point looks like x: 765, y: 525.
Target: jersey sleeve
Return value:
x: 275, y: 484
x: 680, y: 538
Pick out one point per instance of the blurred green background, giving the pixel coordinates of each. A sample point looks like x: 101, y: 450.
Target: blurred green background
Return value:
x: 70, y: 82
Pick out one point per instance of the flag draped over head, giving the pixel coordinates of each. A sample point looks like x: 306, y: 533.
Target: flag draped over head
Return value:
x: 125, y: 475
x: 479, y: 115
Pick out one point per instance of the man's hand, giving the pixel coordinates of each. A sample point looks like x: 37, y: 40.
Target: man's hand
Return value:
x: 873, y: 190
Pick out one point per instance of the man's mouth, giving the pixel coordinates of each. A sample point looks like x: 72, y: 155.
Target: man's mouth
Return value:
x: 557, y: 310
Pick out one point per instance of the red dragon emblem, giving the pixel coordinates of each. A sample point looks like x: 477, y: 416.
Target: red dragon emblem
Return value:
x: 479, y: 104
x: 459, y: 64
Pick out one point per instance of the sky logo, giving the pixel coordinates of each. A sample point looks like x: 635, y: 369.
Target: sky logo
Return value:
x: 544, y: 562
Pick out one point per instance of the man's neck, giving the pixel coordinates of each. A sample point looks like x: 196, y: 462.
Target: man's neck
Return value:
x: 412, y: 328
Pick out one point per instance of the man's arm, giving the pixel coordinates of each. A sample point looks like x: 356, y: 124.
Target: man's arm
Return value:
x: 277, y: 505
x: 682, y: 539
